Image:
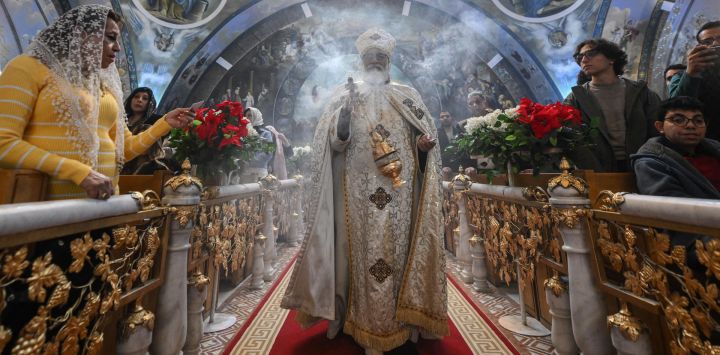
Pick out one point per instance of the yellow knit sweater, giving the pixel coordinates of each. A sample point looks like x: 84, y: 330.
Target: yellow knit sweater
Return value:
x: 31, y: 137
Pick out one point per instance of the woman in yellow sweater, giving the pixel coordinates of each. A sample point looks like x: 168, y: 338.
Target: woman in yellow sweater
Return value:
x: 60, y: 110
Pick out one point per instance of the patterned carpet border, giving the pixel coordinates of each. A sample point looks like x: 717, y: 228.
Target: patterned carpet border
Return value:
x: 476, y: 329
x: 467, y: 335
x: 263, y: 303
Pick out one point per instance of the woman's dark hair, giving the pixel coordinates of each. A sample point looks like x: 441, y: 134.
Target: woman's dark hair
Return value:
x: 679, y: 103
x: 149, y: 110
x: 115, y: 17
x: 610, y: 50
x: 707, y: 25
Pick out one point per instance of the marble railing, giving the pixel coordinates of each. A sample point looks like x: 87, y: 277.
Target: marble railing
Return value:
x: 73, y: 270
x: 612, y: 281
x: 78, y: 268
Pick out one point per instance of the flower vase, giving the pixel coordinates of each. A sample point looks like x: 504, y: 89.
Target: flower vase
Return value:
x: 510, y: 174
x: 552, y: 161
x: 210, y: 176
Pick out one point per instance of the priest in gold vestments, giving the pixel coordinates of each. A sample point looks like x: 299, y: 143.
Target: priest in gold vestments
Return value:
x: 372, y: 261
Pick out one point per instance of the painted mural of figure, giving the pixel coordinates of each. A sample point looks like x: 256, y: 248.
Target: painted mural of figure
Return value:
x: 249, y: 100
x: 174, y: 9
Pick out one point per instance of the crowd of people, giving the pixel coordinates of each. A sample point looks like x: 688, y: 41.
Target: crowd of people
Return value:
x: 62, y: 111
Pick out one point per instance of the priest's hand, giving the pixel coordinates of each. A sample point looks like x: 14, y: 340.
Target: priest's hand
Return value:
x: 425, y: 143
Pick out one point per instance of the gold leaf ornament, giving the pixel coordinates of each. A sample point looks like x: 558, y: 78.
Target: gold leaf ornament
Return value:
x: 630, y: 327
x: 15, y: 264
x: 94, y: 343
x: 79, y: 249
x: 32, y: 336
x: 44, y: 275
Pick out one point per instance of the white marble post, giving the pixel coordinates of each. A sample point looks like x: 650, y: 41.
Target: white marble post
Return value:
x: 136, y: 332
x: 559, y: 301
x: 197, y: 292
x: 588, y: 311
x: 275, y: 256
x: 269, y: 184
x: 464, y: 253
x: 258, y: 262
x: 183, y: 194
x: 629, y: 336
x: 293, y: 233
x: 459, y: 185
x: 479, y: 270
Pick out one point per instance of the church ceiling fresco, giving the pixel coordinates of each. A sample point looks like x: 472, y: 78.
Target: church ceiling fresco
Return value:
x: 520, y: 47
x: 290, y: 74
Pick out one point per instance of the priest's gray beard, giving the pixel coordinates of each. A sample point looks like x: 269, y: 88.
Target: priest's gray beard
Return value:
x: 376, y: 77
x: 373, y: 90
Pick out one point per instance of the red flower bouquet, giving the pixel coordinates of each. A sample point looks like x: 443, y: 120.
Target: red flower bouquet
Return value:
x: 526, y: 136
x: 219, y: 137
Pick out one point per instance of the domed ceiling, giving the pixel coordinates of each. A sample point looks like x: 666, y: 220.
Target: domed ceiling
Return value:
x: 289, y: 54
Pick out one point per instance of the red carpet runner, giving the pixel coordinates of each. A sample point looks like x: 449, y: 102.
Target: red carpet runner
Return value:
x: 272, y: 330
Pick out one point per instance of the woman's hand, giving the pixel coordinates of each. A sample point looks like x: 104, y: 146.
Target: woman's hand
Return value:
x: 179, y: 117
x: 98, y: 186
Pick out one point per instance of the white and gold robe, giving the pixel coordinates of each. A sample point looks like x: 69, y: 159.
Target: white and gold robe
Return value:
x: 372, y: 258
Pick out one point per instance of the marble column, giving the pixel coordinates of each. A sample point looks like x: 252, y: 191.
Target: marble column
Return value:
x: 459, y: 185
x: 556, y: 294
x: 269, y: 185
x: 182, y: 192
x: 629, y: 336
x: 464, y: 253
x: 136, y: 332
x: 479, y: 270
x: 258, y: 271
x: 293, y: 233
x: 197, y: 292
x: 587, y: 306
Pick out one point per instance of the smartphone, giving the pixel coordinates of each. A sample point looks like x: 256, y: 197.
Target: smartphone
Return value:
x: 196, y: 106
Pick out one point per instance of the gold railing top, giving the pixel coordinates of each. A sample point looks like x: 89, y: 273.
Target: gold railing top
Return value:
x: 270, y: 182
x: 609, y: 201
x: 184, y: 179
x: 460, y: 182
x: 566, y: 179
x: 147, y: 199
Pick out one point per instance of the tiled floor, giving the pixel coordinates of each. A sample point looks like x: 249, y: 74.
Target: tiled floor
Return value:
x: 496, y: 303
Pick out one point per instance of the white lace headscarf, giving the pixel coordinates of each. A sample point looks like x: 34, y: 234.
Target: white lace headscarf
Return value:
x: 72, y: 48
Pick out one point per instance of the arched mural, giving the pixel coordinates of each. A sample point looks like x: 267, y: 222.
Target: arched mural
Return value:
x: 284, y: 52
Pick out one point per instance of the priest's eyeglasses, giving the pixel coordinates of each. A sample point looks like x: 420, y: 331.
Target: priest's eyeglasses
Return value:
x: 588, y: 53
x: 682, y: 121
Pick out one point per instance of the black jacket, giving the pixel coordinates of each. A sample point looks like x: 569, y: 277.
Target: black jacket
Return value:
x: 641, y: 110
x: 661, y: 170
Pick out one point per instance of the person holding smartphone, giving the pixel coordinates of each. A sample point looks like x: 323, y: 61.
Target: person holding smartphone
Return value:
x: 701, y: 79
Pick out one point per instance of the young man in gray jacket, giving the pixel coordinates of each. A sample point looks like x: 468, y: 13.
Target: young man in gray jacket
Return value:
x: 625, y: 109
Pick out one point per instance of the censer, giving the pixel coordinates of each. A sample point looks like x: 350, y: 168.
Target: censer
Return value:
x: 385, y: 155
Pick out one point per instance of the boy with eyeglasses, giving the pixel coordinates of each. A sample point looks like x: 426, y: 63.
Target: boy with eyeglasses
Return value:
x: 701, y: 79
x: 625, y: 109
x: 681, y: 162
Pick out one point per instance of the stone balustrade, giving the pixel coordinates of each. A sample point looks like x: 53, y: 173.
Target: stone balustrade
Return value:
x: 150, y: 262
x: 610, y: 277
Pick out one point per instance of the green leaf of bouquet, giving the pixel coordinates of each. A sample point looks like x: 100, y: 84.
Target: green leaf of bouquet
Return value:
x: 510, y: 137
x: 197, y: 123
x: 553, y: 141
